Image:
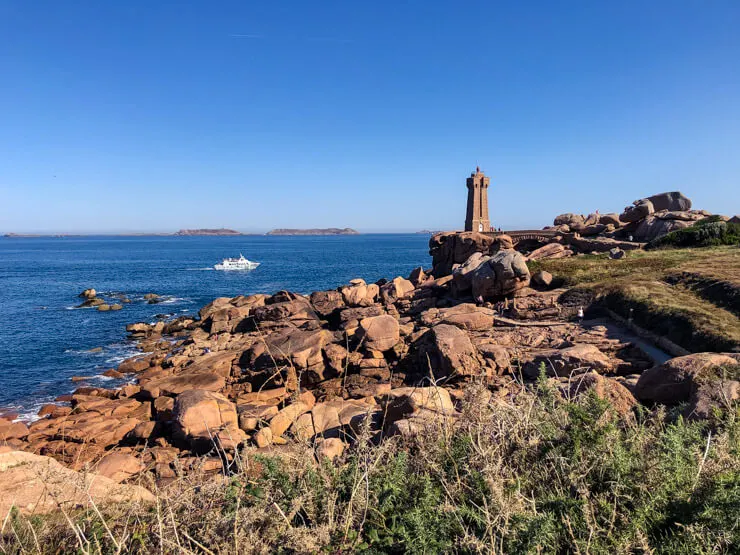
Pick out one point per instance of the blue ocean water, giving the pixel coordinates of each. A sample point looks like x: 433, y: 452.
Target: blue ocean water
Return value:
x: 45, y: 340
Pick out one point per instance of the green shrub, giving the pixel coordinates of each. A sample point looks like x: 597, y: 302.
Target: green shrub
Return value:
x: 536, y: 475
x: 709, y: 232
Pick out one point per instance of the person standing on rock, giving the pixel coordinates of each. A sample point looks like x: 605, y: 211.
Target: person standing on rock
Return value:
x: 580, y: 314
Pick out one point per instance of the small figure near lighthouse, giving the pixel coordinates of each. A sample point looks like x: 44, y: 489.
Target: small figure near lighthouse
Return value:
x: 476, y: 218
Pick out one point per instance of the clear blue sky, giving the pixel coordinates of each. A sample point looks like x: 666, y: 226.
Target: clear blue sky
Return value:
x: 153, y: 116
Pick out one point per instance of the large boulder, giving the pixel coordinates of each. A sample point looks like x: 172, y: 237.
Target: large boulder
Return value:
x: 449, y: 249
x: 395, y: 289
x: 296, y: 310
x: 605, y: 388
x: 402, y: 402
x: 119, y: 466
x: 610, y: 219
x: 578, y: 359
x: 326, y: 302
x: 592, y: 229
x: 571, y: 220
x: 502, y: 274
x: 542, y: 278
x: 640, y: 209
x: 447, y: 351
x: 358, y: 293
x: 465, y: 316
x: 417, y: 276
x: 175, y: 384
x: 227, y: 319
x: 661, y: 223
x: 215, y: 304
x: 674, y: 200
x: 35, y: 485
x: 462, y: 276
x: 280, y: 423
x: 551, y: 250
x: 704, y: 381
x: 200, y: 416
x: 303, y: 350
x: 12, y: 430
x: 379, y: 333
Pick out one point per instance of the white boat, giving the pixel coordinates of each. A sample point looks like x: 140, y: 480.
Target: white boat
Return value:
x: 240, y: 263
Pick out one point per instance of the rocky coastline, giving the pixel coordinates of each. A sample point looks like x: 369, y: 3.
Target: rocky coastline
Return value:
x: 267, y: 372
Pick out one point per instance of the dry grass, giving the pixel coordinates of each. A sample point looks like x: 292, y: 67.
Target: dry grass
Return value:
x: 689, y: 295
x: 534, y: 474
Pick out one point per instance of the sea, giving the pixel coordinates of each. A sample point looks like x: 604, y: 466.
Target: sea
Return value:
x: 45, y: 339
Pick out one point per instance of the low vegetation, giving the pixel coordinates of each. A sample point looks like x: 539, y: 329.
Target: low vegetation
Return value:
x: 535, y: 474
x: 691, y: 296
x: 711, y: 231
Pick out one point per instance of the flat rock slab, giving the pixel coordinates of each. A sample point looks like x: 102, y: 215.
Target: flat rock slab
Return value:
x: 36, y: 484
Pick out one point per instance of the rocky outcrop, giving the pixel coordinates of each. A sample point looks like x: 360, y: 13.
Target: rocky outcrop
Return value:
x: 577, y: 359
x: 466, y: 316
x: 493, y: 276
x: 205, y: 419
x: 639, y: 210
x: 35, y: 485
x: 705, y: 381
x: 449, y: 249
x: 119, y: 466
x: 447, y: 351
x: 661, y: 223
x: 504, y: 273
x: 379, y: 333
x: 605, y: 388
x: 670, y: 201
x: 362, y: 360
x: 551, y: 250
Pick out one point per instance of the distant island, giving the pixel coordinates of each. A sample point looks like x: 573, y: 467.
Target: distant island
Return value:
x: 325, y: 231
x: 222, y: 231
x: 37, y: 235
x: 205, y: 232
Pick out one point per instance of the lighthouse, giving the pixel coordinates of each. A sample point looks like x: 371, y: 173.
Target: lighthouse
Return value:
x: 476, y: 218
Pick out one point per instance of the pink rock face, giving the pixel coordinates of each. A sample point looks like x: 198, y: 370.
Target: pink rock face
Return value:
x: 551, y: 250
x: 379, y: 333
x: 119, y: 466
x: 676, y: 380
x: 330, y: 448
x: 503, y: 274
x: 639, y: 210
x: 568, y: 219
x: 446, y: 350
x: 396, y: 289
x: 200, y: 415
x: 448, y: 249
x: 36, y: 485
x: 466, y: 316
x: 605, y: 388
x: 577, y: 359
x: 670, y: 201
x: 326, y: 302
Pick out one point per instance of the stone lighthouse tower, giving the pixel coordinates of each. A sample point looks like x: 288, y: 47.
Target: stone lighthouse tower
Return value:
x: 476, y: 218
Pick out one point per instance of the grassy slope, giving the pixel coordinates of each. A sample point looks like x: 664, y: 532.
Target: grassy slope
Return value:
x: 536, y: 475
x: 688, y: 295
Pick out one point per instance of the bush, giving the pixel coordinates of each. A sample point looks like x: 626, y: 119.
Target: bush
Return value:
x: 536, y: 475
x: 709, y: 232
